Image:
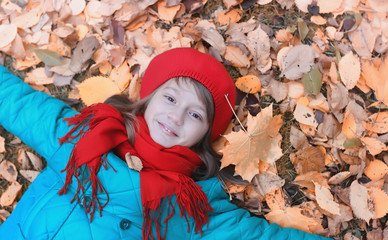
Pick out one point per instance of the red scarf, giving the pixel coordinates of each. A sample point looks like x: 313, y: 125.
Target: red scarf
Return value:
x: 166, y: 171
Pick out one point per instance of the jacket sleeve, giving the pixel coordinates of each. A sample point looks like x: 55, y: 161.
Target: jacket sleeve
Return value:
x: 35, y: 117
x: 228, y: 221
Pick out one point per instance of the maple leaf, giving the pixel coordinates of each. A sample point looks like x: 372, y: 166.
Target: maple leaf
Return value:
x: 257, y: 143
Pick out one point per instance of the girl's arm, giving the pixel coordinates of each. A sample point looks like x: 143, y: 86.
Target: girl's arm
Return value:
x: 35, y: 117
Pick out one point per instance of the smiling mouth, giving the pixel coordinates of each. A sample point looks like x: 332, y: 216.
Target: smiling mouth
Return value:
x: 167, y: 130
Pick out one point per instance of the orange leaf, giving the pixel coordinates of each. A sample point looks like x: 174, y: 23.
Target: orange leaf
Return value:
x: 246, y: 149
x: 227, y: 17
x: 350, y: 69
x: 248, y: 84
x: 305, y: 115
x: 38, y: 76
x: 275, y: 200
x: 8, y: 171
x: 376, y: 170
x: 380, y: 199
x: 295, y: 89
x: 373, y: 145
x: 349, y: 126
x: 168, y: 13
x: 236, y: 56
x: 377, y: 122
x: 9, y: 195
x: 325, y: 199
x: 36, y: 162
x: 375, y: 74
x: 97, y: 89
x: 121, y: 75
x: 2, y: 145
x: 339, y: 177
x: 291, y: 217
x: 28, y: 19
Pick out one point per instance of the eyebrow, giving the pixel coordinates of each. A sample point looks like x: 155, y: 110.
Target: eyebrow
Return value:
x: 201, y: 106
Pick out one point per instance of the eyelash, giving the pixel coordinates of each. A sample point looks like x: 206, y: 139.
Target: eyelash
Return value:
x: 171, y: 99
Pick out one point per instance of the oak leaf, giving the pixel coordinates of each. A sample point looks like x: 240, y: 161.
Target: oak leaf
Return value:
x: 361, y: 201
x: 248, y: 148
x: 291, y: 217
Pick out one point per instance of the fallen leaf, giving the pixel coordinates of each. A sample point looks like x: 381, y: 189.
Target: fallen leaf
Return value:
x: 376, y: 170
x: 9, y: 32
x: 167, y: 13
x: 305, y: 115
x: 4, y: 214
x: 330, y: 127
x: 8, y: 171
x: 308, y: 159
x: 259, y: 46
x: 312, y: 81
x: 248, y: 84
x: 335, y: 221
x: 82, y: 53
x: 325, y: 6
x: 373, y: 145
x: 77, y: 6
x: 349, y: 126
x: 2, y: 145
x: 225, y: 17
x: 30, y: 175
x: 298, y: 61
x: 363, y: 39
x: 28, y: 19
x: 211, y: 35
x: 267, y: 182
x: 10, y: 194
x: 350, y: 69
x: 325, y: 199
x: 361, y: 202
x: 36, y: 162
x: 380, y: 200
x: 49, y: 57
x: 375, y: 74
x: 38, y: 76
x: 121, y: 76
x: 295, y: 89
x: 97, y: 90
x: 298, y: 139
x: 275, y: 200
x: 23, y: 159
x: 339, y: 177
x: 337, y: 96
x: 377, y: 122
x: 291, y: 217
x: 278, y: 90
x: 231, y: 3
x: 246, y: 149
x: 236, y: 56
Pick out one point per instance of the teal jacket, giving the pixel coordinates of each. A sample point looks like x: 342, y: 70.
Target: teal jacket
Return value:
x: 37, y: 119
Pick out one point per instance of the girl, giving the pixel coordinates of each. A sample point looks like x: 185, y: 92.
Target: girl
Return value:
x: 182, y: 109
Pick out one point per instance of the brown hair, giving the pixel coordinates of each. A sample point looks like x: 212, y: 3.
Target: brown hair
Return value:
x: 203, y: 148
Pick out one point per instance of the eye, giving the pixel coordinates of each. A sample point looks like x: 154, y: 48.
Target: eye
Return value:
x: 169, y: 98
x: 196, y: 115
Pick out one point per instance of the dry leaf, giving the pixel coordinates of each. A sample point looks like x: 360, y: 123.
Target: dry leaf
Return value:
x: 278, y: 90
x: 8, y: 171
x: 291, y: 217
x: 4, y: 214
x: 248, y: 84
x: 325, y: 199
x: 375, y: 74
x: 361, y: 202
x: 259, y: 46
x: 225, y: 17
x: 308, y: 159
x: 298, y: 61
x: 77, y: 6
x: 377, y: 122
x: 8, y: 33
x: 275, y: 200
x: 380, y: 200
x: 246, y: 149
x: 335, y: 221
x: 339, y: 177
x: 10, y: 194
x: 28, y: 19
x: 305, y: 115
x: 30, y: 175
x: 121, y: 76
x: 83, y: 52
x: 349, y: 126
x: 211, y: 35
x: 298, y: 139
x: 36, y: 162
x: 38, y: 76
x: 97, y: 90
x: 363, y: 39
x: 167, y: 13
x: 2, y: 145
x: 373, y: 145
x: 349, y: 68
x: 295, y: 89
x: 236, y: 56
x: 267, y: 182
x: 376, y: 170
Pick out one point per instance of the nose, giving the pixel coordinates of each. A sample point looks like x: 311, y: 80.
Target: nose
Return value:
x: 176, y: 115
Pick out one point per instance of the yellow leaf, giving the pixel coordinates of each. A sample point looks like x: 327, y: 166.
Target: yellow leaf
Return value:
x: 248, y: 84
x: 380, y: 199
x: 325, y: 199
x: 376, y: 169
x: 97, y: 89
x: 247, y: 149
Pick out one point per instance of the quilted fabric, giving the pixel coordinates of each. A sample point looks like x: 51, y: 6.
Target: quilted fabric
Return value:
x: 36, y: 118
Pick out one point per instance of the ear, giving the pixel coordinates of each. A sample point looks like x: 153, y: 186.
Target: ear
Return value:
x: 133, y: 162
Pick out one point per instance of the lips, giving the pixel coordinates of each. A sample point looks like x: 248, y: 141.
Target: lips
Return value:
x: 167, y: 130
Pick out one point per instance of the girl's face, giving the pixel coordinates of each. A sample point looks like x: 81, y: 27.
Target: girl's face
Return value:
x: 176, y: 115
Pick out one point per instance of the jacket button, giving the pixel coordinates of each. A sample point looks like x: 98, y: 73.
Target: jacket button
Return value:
x: 124, y: 224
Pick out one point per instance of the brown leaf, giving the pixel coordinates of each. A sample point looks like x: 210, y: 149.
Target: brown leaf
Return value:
x: 363, y: 39
x: 350, y: 69
x: 225, y: 17
x: 267, y: 182
x: 325, y: 199
x: 30, y: 175
x: 8, y: 33
x: 298, y: 61
x: 335, y: 221
x: 298, y: 139
x: 361, y: 202
x: 377, y: 122
x: 278, y: 90
x: 38, y: 76
x: 2, y: 145
x: 36, y: 162
x: 4, y: 214
x: 373, y: 145
x: 8, y: 171
x: 77, y: 6
x: 308, y: 159
x: 82, y: 53
x: 10, y: 194
x: 28, y: 19
x: 375, y: 74
x: 259, y: 46
x: 236, y: 56
x: 339, y: 177
x: 231, y: 3
x: 337, y: 96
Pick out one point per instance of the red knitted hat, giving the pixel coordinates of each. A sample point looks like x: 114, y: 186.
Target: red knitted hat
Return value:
x: 202, y: 67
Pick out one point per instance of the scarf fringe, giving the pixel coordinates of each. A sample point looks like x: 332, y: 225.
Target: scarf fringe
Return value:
x: 73, y: 169
x: 192, y: 202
